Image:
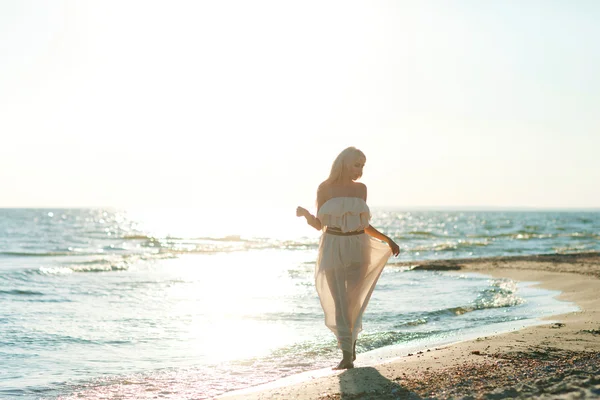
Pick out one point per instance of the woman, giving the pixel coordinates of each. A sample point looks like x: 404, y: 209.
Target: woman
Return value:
x: 349, y: 261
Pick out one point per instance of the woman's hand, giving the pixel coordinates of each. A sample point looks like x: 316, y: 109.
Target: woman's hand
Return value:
x: 310, y: 219
x: 302, y: 212
x: 395, y: 248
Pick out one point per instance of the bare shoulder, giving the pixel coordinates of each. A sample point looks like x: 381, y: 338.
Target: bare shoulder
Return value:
x: 323, y: 193
x: 324, y: 189
x: 323, y: 185
x: 362, y: 190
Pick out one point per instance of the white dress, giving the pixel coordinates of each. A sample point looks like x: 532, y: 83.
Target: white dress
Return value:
x: 348, y: 267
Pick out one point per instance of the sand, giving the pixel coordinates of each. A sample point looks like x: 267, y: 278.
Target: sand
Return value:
x: 558, y: 359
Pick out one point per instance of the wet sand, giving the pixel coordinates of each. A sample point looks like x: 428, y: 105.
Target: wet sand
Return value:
x: 558, y: 359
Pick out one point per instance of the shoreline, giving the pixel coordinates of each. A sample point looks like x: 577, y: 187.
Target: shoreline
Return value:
x: 552, y: 358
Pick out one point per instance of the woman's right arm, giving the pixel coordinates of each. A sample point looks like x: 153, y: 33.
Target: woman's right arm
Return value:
x: 310, y: 219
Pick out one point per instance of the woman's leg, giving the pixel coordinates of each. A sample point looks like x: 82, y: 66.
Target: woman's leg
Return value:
x: 337, y: 287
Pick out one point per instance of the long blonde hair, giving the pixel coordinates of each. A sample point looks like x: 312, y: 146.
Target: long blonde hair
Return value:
x: 342, y: 162
x: 340, y: 166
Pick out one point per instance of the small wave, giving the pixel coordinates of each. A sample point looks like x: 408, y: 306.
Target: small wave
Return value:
x: 486, y: 301
x: 373, y: 341
x: 519, y: 235
x: 138, y: 237
x: 225, y: 247
x: 81, y: 268
x: 44, y: 300
x: 13, y: 392
x: 21, y: 292
x: 500, y: 294
x: 293, y: 245
x: 47, y: 338
x: 230, y: 238
x: 143, y: 284
x: 422, y: 233
x: 570, y: 249
x: 422, y: 318
x: 529, y: 235
x: 70, y: 253
x: 414, y: 322
x: 37, y: 254
x: 582, y: 235
x: 54, y: 270
x: 452, y: 311
x: 113, y: 248
x: 95, y: 261
x: 202, y: 246
x: 161, y: 255
x: 100, y: 268
x: 173, y: 253
x: 450, y: 246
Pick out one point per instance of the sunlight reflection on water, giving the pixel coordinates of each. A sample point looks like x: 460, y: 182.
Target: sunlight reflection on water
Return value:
x: 215, y: 222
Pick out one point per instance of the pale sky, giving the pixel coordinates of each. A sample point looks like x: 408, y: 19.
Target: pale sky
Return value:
x: 203, y: 103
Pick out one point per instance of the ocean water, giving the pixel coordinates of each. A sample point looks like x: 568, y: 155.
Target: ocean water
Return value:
x: 100, y: 303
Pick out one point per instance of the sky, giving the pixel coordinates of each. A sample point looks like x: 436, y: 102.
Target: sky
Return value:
x: 246, y: 104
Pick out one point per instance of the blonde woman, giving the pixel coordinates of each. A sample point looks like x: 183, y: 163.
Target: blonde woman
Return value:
x: 350, y: 260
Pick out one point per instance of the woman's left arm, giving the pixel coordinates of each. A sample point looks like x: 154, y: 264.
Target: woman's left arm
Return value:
x: 378, y: 235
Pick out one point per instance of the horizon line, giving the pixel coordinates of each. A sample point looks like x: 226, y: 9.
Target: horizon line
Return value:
x: 389, y: 207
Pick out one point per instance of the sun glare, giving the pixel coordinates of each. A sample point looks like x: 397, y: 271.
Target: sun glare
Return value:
x: 217, y: 223
x: 223, y: 303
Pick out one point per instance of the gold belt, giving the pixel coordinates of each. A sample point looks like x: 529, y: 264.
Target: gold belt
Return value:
x: 338, y: 232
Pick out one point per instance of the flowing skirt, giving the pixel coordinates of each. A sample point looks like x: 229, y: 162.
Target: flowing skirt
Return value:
x: 346, y: 273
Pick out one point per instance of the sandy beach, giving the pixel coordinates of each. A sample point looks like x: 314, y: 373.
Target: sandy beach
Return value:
x: 557, y: 359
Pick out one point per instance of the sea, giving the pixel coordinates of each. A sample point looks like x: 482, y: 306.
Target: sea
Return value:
x: 192, y: 303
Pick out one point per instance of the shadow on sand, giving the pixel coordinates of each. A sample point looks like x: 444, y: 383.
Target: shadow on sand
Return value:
x: 368, y: 383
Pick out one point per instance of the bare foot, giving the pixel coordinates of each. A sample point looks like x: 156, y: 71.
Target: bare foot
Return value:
x: 344, y: 364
